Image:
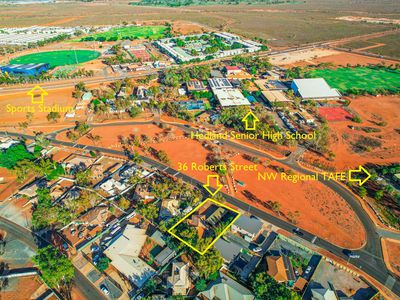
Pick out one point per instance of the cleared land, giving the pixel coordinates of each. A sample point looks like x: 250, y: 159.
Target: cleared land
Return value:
x: 345, y: 58
x: 321, y: 211
x: 379, y: 114
x: 282, y: 25
x: 386, y: 45
x: 127, y: 33
x: 58, y: 58
x: 391, y: 253
x: 361, y: 78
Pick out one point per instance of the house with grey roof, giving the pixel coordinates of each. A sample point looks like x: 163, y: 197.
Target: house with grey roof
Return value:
x: 247, y: 226
x: 225, y: 288
x: 159, y: 238
x: 164, y: 256
x: 228, y: 250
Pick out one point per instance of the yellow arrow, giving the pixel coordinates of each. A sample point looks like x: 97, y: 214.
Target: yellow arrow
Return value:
x: 361, y: 169
x: 251, y: 118
x: 208, y: 185
x: 37, y: 90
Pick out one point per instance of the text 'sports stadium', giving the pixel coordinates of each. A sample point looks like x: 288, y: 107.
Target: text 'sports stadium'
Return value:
x: 26, y: 69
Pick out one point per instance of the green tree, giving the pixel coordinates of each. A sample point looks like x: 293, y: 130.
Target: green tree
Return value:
x: 53, y: 116
x: 56, y: 269
x: 23, y: 168
x: 266, y: 288
x: 208, y: 263
x: 14, y: 154
x: 124, y: 203
x: 378, y: 195
x: 201, y: 285
x: 276, y: 206
x: 103, y: 264
x: 82, y: 128
x: 362, y: 191
x: 84, y: 178
x: 41, y: 140
x: 149, y: 211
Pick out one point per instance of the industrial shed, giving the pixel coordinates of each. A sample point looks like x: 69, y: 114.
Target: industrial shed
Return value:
x: 26, y: 69
x: 314, y: 89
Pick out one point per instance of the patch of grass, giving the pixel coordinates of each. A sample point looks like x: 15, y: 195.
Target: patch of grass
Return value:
x: 57, y: 58
x: 357, y: 44
x: 128, y: 33
x: 365, y: 144
x: 391, y: 48
x: 367, y: 79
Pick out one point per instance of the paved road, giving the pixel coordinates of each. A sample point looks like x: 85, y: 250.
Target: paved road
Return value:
x: 370, y: 259
x: 388, y: 234
x: 84, y: 286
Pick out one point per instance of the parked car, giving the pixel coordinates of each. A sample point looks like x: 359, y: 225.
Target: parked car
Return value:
x: 256, y: 249
x: 104, y: 289
x: 297, y: 231
x: 308, y: 270
x: 353, y: 255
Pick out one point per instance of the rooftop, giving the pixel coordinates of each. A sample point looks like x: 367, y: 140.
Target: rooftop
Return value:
x: 314, y: 88
x: 219, y: 83
x: 276, y: 268
x: 228, y: 250
x: 225, y: 289
x: 230, y: 97
x: 251, y: 225
x: 124, y: 255
x: 275, y: 96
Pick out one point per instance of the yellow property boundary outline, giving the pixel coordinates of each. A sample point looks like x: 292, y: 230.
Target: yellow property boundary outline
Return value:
x: 192, y: 212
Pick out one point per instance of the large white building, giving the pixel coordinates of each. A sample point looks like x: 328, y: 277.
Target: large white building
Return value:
x: 34, y: 34
x: 230, y: 97
x: 180, y: 54
x: 314, y: 89
x: 226, y: 94
x: 124, y: 254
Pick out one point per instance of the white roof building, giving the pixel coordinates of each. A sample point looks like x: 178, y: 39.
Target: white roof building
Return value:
x: 179, y: 279
x: 230, y: 97
x: 323, y: 294
x: 112, y: 186
x: 124, y: 254
x: 314, y: 89
x: 6, y: 143
x: 226, y: 289
x: 219, y: 83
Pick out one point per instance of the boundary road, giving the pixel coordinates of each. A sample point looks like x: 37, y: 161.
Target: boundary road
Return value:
x: 83, y: 284
x: 371, y: 258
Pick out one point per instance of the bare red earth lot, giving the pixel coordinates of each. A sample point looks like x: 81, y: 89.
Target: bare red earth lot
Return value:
x: 373, y: 111
x: 321, y: 211
x: 391, y: 253
x: 334, y: 113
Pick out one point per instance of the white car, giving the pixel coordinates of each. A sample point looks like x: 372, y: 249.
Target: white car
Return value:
x: 308, y: 270
x: 104, y: 289
x: 257, y: 249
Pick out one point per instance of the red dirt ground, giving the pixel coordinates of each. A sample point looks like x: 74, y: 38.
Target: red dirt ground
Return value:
x: 334, y: 113
x: 391, y: 253
x: 62, y: 97
x: 24, y: 289
x: 8, y: 185
x: 371, y: 110
x: 321, y: 211
x: 345, y: 58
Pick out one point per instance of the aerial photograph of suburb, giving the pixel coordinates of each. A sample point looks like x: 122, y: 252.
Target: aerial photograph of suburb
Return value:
x: 200, y: 149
